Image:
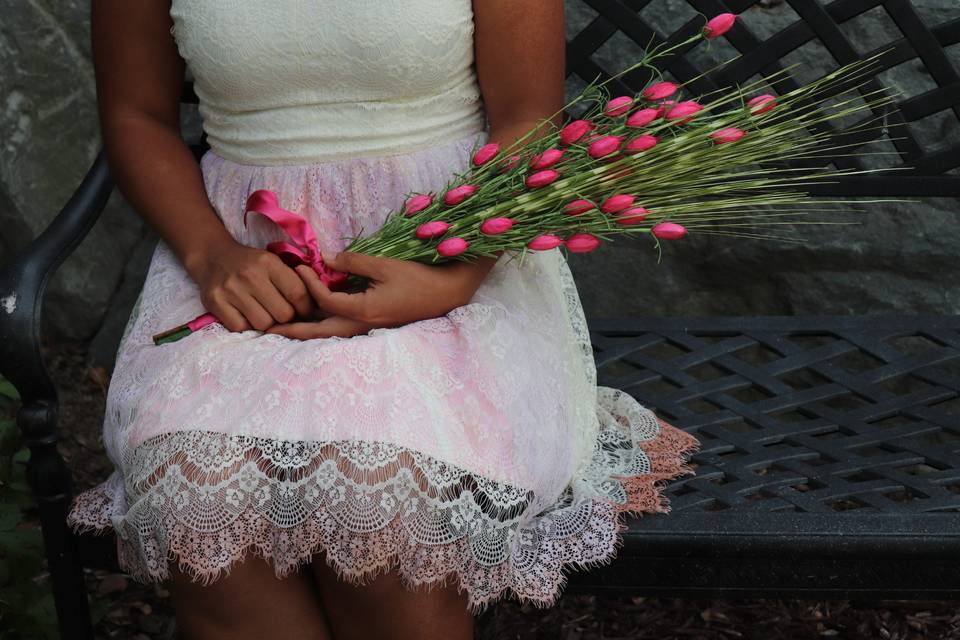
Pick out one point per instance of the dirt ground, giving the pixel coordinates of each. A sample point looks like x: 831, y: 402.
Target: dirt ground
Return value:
x: 143, y: 612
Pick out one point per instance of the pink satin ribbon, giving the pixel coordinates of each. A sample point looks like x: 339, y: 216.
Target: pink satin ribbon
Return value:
x: 305, y: 251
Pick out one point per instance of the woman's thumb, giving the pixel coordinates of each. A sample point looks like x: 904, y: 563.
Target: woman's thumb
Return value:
x: 352, y: 262
x: 335, y: 260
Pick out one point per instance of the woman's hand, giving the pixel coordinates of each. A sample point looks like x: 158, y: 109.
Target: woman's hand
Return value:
x: 326, y: 328
x: 249, y: 288
x: 400, y: 292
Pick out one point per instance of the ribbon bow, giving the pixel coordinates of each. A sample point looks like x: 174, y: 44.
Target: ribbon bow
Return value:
x: 305, y: 251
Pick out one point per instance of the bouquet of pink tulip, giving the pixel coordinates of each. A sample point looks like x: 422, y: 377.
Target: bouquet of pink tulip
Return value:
x: 650, y: 163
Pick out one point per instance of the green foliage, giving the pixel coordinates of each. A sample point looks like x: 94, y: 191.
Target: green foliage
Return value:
x: 26, y: 601
x: 735, y: 188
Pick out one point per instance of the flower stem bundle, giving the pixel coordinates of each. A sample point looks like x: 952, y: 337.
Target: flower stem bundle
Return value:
x: 656, y: 163
x: 651, y: 164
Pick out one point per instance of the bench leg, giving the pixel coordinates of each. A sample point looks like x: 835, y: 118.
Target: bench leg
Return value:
x: 49, y: 478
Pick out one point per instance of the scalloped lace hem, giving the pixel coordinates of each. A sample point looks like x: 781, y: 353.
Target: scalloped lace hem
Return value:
x: 491, y: 549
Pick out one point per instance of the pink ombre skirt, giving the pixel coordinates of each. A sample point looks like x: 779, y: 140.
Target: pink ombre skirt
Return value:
x: 476, y: 444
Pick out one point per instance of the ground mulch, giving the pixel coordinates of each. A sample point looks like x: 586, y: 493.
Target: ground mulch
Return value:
x: 144, y: 612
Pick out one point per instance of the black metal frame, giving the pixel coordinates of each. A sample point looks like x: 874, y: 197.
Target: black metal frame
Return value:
x: 830, y: 459
x: 732, y: 532
x: 928, y: 173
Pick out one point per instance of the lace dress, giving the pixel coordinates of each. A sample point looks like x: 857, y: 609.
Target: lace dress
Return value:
x: 476, y: 444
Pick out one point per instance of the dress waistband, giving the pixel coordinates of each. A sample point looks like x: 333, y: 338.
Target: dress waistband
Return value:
x: 337, y: 131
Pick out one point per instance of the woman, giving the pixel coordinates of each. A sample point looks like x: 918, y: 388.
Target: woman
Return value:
x: 418, y: 450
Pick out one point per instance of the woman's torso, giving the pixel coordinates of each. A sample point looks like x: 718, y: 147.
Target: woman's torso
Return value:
x: 305, y: 81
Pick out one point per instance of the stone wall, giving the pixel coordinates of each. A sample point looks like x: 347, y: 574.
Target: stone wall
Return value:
x: 50, y: 133
x: 899, y: 257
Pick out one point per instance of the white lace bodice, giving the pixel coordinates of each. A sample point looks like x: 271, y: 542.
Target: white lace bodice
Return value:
x: 287, y: 82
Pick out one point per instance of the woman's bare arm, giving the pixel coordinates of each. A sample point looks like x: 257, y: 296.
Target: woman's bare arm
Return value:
x: 520, y: 55
x: 139, y: 74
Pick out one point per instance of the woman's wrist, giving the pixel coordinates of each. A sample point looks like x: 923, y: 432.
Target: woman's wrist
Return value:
x: 474, y: 272
x: 507, y: 133
x: 195, y: 257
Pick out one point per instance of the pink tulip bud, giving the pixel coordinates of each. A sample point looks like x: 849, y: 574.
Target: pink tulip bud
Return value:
x: 581, y: 243
x: 642, y: 118
x: 604, y: 146
x: 574, y: 131
x: 665, y: 106
x: 590, y: 137
x: 660, y: 90
x: 616, y: 203
x: 450, y: 247
x: 577, y: 207
x: 633, y: 215
x: 545, y: 241
x: 719, y: 25
x: 640, y: 143
x: 485, y: 154
x: 417, y: 203
x: 761, y: 104
x: 432, y: 229
x: 727, y: 134
x: 669, y: 231
x: 618, y: 106
x: 546, y: 159
x: 458, y: 194
x: 541, y: 178
x: 682, y: 112
x: 510, y: 163
x: 493, y: 226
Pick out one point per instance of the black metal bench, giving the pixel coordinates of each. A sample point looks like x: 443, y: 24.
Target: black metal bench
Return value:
x: 830, y: 463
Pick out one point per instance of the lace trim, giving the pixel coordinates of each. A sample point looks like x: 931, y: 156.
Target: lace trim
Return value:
x: 319, y: 86
x: 372, y: 507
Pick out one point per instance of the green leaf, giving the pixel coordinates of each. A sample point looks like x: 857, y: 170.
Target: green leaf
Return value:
x: 22, y: 544
x: 24, y: 501
x: 99, y: 608
x: 10, y: 438
x: 20, y: 486
x: 10, y: 516
x: 7, y: 389
x: 44, y: 612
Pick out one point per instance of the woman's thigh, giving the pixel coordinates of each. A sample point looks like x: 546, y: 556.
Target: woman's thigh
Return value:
x: 386, y: 610
x: 249, y: 602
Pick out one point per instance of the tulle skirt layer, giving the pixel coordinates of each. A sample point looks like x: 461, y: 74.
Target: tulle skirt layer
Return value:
x: 476, y: 444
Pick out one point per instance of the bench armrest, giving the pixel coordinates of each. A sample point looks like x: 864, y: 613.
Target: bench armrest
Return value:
x: 22, y: 284
x: 24, y: 279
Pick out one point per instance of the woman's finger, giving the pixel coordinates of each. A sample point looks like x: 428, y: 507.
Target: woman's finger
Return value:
x: 229, y: 316
x: 297, y: 330
x: 359, y: 263
x: 258, y: 317
x: 274, y: 302
x: 293, y: 290
x: 332, y: 326
x: 350, y: 305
